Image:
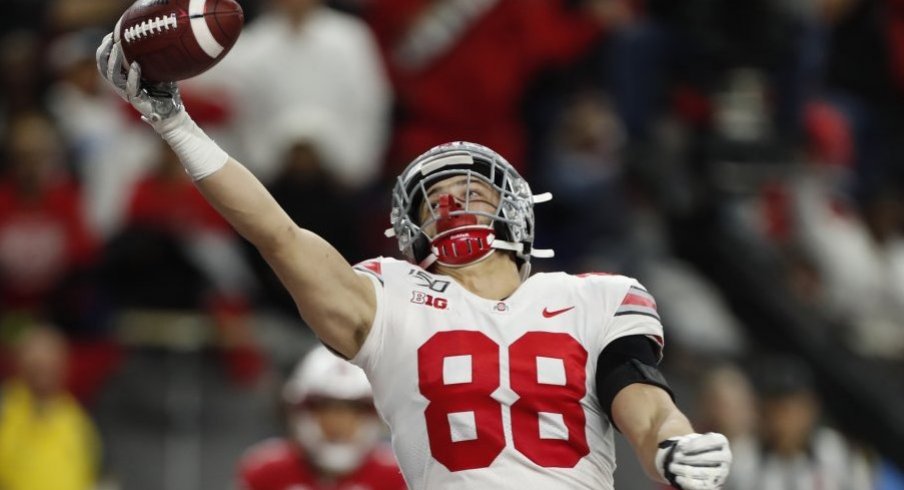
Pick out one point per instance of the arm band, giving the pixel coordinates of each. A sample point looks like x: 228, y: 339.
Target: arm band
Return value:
x: 198, y: 153
x: 628, y: 360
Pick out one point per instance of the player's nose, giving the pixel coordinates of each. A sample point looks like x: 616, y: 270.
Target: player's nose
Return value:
x: 340, y: 424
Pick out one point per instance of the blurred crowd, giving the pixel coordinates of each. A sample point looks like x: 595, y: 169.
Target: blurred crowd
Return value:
x: 143, y: 344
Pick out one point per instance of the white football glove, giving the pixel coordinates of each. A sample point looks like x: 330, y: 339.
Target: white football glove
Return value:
x: 694, y: 461
x: 160, y: 106
x: 156, y: 102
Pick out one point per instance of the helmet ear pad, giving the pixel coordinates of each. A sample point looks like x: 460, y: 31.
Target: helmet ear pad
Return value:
x: 500, y: 230
x: 421, y: 248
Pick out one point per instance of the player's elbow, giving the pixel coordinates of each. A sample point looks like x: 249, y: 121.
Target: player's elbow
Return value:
x: 639, y: 410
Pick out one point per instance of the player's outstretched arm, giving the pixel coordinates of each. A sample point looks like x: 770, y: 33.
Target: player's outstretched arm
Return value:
x: 666, y: 443
x: 334, y: 300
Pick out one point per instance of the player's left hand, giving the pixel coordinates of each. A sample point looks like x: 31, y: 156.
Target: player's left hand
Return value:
x: 694, y: 461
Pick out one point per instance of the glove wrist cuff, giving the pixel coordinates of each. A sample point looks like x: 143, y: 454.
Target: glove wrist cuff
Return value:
x: 199, y: 154
x: 664, y: 457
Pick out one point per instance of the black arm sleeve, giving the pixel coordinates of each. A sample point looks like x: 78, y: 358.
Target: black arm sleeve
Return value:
x: 628, y: 360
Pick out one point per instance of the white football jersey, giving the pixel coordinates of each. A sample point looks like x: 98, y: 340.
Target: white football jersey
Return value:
x: 498, y: 394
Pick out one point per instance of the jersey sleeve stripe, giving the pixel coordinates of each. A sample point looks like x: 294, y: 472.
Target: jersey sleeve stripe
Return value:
x: 372, y: 267
x: 639, y: 296
x: 638, y: 302
x: 637, y: 310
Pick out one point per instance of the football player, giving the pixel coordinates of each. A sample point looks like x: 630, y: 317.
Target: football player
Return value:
x: 334, y: 431
x: 488, y: 377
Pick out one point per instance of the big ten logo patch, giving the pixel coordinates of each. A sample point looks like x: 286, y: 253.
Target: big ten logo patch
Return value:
x: 421, y: 298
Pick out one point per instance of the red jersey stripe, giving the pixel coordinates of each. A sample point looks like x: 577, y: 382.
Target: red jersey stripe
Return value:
x: 638, y: 300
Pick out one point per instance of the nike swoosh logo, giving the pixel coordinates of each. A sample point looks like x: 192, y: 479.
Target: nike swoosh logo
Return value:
x: 549, y: 314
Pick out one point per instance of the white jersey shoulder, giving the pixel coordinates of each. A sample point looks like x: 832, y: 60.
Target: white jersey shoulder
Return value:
x: 483, y: 394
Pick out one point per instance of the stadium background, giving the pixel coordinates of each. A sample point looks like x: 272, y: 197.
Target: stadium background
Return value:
x: 744, y: 160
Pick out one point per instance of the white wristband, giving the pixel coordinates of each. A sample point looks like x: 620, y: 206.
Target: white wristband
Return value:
x: 198, y: 153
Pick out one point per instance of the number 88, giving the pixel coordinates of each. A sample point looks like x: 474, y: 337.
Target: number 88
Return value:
x: 551, y: 399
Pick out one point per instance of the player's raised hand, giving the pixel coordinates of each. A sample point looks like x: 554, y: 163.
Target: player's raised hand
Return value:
x: 160, y: 105
x: 156, y: 102
x: 694, y: 461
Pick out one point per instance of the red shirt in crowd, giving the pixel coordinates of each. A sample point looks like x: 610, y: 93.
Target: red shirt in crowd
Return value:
x: 472, y: 90
x: 42, y: 237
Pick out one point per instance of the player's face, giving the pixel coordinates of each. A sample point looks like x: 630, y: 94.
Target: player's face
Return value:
x: 340, y: 421
x: 473, y: 193
x: 336, y: 434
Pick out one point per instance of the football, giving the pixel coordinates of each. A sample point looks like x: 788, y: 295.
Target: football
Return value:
x: 177, y: 39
